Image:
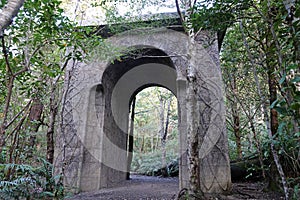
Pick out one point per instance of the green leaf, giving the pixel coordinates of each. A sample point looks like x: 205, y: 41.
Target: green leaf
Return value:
x: 292, y: 66
x: 274, y: 103
x: 295, y: 106
x: 282, y: 111
x: 296, y: 79
x: 282, y: 79
x: 49, y: 194
x: 281, y: 127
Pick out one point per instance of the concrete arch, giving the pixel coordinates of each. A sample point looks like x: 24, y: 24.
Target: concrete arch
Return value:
x: 99, y: 103
x: 137, y: 77
x: 119, y: 86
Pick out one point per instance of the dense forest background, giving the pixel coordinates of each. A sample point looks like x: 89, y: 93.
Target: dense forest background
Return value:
x: 260, y: 62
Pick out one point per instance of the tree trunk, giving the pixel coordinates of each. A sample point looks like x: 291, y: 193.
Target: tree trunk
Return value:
x: 130, y: 139
x: 152, y: 140
x: 162, y: 132
x: 273, y: 97
x: 50, y: 138
x: 34, y: 120
x: 236, y: 119
x: 164, y: 140
x: 258, y: 146
x: 161, y: 116
x: 272, y: 178
x: 195, y: 138
x: 33, y: 123
x: 143, y: 144
x: 271, y: 49
x: 8, y: 12
x: 3, y: 125
x: 51, y: 127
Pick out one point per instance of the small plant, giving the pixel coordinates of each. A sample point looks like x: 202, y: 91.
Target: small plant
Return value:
x: 25, y: 181
x: 296, y: 192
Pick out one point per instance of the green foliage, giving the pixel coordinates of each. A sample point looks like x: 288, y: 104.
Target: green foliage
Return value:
x: 217, y: 15
x: 288, y: 147
x: 296, y: 192
x: 29, y: 182
x: 37, y: 47
x: 147, y: 157
x: 150, y: 163
x: 262, y: 41
x: 40, y: 39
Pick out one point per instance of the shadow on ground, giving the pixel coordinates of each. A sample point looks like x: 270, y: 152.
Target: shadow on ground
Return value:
x: 156, y: 188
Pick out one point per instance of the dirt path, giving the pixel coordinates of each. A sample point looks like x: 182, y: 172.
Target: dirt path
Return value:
x: 155, y: 188
x: 139, y: 187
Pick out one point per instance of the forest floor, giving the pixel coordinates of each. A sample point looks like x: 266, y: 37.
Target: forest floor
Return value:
x: 156, y: 188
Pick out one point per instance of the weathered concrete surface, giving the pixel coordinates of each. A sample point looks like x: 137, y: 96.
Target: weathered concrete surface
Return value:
x: 92, y: 146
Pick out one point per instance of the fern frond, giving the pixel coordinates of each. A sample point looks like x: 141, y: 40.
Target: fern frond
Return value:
x: 18, y: 167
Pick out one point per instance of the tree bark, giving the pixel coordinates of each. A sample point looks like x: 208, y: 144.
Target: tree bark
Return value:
x: 9, y: 11
x: 34, y: 120
x: 258, y: 146
x: 236, y: 119
x: 51, y: 127
x: 162, y: 132
x: 194, y: 138
x: 272, y: 82
x: 273, y: 97
x: 161, y: 116
x: 273, y: 113
x: 274, y: 123
x: 164, y: 140
x: 50, y: 137
x: 130, y: 139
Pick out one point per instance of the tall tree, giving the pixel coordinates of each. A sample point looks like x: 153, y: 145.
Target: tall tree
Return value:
x: 8, y: 12
x: 130, y: 138
x: 164, y: 137
x: 36, y: 49
x: 271, y: 49
x: 194, y: 139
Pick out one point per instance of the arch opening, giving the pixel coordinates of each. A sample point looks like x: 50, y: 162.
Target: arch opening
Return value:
x: 121, y: 81
x: 153, y: 140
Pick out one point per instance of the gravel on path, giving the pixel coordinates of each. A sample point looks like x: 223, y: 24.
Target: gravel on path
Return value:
x: 137, y: 188
x: 155, y: 188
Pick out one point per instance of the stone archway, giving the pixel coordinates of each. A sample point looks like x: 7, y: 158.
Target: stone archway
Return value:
x: 136, y: 73
x: 97, y: 107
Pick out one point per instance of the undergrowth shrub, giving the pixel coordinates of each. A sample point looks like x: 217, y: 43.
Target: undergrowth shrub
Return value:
x: 150, y: 163
x: 20, y: 181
